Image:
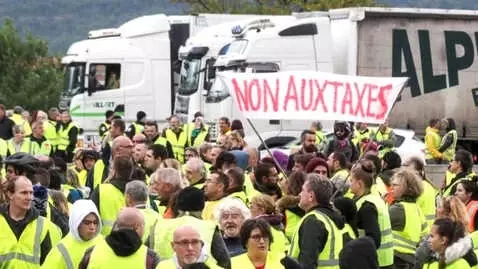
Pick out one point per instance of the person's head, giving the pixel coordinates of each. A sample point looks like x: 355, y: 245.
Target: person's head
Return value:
x: 88, y: 159
x: 123, y: 168
x: 224, y: 124
x: 136, y: 193
x: 139, y: 139
x: 301, y: 161
x: 174, y: 122
x: 362, y: 177
x: 256, y: 236
x: 18, y: 133
x: 21, y: 164
x: 462, y: 162
x: 377, y: 162
x: 262, y: 204
x: 216, y: 186
x: 187, y: 245
x: 53, y: 113
x: 231, y: 214
x: 37, y: 129
x: 154, y: 156
x: 236, y: 125
x: 295, y: 182
x: 317, y: 190
x: 205, y: 151
x: 190, y: 200
x: 336, y: 161
x: 139, y: 152
x: 406, y: 183
x: 266, y: 174
x: 117, y: 128
x: 171, y: 163
x: 416, y: 164
x: 341, y: 129
x: 194, y: 170
x: 236, y: 178
x: 122, y: 146
x: 40, y: 116
x: 150, y: 129
x: 382, y: 127
x: 169, y: 182
x: 253, y: 156
x: 19, y: 191
x: 308, y: 140
x: 316, y: 126
x: 42, y: 176
x: 109, y: 115
x: 190, y: 153
x: 435, y: 123
x: 237, y: 142
x: 215, y: 151
x: 130, y: 218
x: 444, y: 233
x: 140, y: 116
x: 466, y: 190
x: 317, y: 165
x: 391, y: 160
x: 26, y: 115
x: 84, y: 222
x: 452, y: 207
x: 225, y: 160
x: 65, y: 116
x: 17, y: 110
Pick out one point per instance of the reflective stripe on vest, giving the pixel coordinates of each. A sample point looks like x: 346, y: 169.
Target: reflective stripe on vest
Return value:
x: 406, y: 241
x: 178, y: 144
x: 385, y: 251
x: 66, y: 256
x: 14, y: 254
x: 327, y: 258
x: 111, y: 202
x: 450, y: 151
x: 472, y: 208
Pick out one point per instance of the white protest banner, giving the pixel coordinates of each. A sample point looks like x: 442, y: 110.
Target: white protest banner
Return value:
x: 313, y: 95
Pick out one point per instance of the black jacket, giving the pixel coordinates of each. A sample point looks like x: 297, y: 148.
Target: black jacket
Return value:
x: 6, y: 126
x: 18, y: 227
x: 313, y: 236
x: 124, y: 243
x: 367, y: 220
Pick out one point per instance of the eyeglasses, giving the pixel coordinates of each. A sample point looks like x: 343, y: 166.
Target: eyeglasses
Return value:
x: 258, y: 237
x: 186, y: 243
x: 89, y: 222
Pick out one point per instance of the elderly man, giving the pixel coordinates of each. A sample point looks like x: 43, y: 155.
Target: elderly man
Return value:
x: 122, y: 146
x: 188, y: 249
x: 139, y: 153
x: 123, y: 247
x: 167, y: 184
x: 195, y: 173
x: 85, y: 226
x: 136, y: 194
x: 231, y: 214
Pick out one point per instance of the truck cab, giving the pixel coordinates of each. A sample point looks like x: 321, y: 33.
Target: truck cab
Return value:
x: 299, y: 43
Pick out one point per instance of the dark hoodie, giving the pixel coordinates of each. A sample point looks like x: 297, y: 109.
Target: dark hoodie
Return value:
x: 18, y: 227
x: 313, y: 236
x: 124, y: 243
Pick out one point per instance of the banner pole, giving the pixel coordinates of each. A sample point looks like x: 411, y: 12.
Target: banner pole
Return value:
x: 267, y: 148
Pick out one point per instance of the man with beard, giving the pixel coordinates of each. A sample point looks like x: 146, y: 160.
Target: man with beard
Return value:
x: 341, y: 142
x: 308, y: 145
x: 266, y: 177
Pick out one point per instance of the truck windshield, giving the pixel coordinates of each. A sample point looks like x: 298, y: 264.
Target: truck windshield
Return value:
x: 189, y: 80
x: 237, y: 46
x: 74, y: 79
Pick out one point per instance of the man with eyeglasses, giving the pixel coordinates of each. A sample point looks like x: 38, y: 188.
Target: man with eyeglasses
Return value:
x: 85, y: 226
x: 188, y: 249
x: 123, y: 247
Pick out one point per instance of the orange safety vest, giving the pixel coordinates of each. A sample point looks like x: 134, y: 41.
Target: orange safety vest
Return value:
x: 472, y: 208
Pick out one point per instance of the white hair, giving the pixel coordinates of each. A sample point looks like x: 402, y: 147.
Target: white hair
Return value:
x: 170, y: 176
x: 195, y: 164
x: 232, y: 203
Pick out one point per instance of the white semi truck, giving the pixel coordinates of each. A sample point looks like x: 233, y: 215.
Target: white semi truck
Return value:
x: 130, y: 68
x: 436, y: 49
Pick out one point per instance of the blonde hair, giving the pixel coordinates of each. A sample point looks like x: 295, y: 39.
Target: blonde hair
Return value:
x: 411, y: 180
x: 59, y: 201
x: 265, y: 202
